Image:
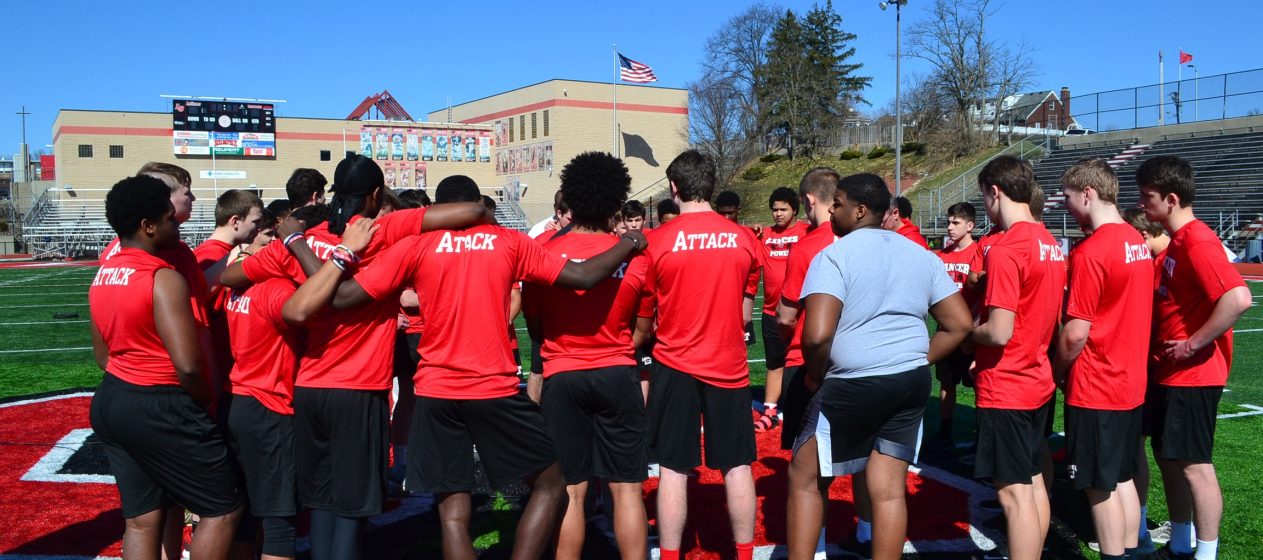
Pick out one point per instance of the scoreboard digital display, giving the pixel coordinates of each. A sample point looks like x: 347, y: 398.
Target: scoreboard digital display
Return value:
x: 228, y: 128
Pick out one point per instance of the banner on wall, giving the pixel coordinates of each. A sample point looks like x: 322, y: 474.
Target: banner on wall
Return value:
x: 366, y: 142
x: 458, y: 150
x: 471, y: 147
x: 427, y: 145
x: 396, y: 144
x: 484, y: 146
x: 420, y: 175
x: 390, y: 175
x: 383, y: 144
x: 413, y: 147
x: 500, y: 140
x: 440, y: 145
x: 404, y: 181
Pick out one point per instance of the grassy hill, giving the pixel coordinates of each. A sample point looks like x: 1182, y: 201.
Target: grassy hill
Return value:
x: 757, y: 180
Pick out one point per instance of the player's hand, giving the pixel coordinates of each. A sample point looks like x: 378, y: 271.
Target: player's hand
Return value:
x: 638, y: 237
x: 1178, y: 350
x: 552, y: 225
x: 290, y: 225
x: 758, y: 230
x: 357, y: 235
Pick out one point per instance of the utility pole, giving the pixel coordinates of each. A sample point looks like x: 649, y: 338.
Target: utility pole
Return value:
x: 26, y: 158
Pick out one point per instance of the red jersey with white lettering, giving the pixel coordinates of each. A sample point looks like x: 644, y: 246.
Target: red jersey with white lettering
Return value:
x: 776, y: 245
x: 800, y: 258
x: 1195, y: 274
x: 121, y: 303
x: 958, y: 263
x: 180, y: 258
x: 344, y: 349
x: 1026, y: 274
x: 588, y: 329
x: 912, y: 232
x: 264, y: 347
x: 702, y: 266
x: 1111, y: 286
x: 463, y: 279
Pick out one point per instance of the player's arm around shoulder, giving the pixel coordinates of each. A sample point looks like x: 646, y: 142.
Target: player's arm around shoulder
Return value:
x: 588, y: 273
x: 321, y: 287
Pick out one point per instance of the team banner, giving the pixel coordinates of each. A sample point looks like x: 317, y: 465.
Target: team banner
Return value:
x: 458, y: 151
x: 484, y: 146
x: 383, y: 145
x: 404, y: 181
x: 524, y: 159
x: 396, y: 144
x: 440, y: 145
x: 390, y: 175
x: 420, y: 175
x: 366, y: 142
x: 471, y: 146
x: 413, y: 147
x: 500, y: 136
x: 427, y: 145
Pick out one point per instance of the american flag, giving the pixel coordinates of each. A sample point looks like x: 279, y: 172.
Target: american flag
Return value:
x: 631, y: 71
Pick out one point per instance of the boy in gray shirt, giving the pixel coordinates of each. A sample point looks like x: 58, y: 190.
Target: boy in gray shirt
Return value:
x: 866, y: 346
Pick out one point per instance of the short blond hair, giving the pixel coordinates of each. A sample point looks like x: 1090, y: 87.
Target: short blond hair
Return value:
x: 180, y: 174
x: 1095, y: 173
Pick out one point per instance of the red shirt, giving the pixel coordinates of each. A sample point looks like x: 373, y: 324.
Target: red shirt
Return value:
x: 795, y: 273
x: 588, y: 329
x: 702, y: 265
x: 959, y: 264
x: 180, y: 258
x: 264, y: 347
x: 776, y: 244
x: 1111, y: 286
x: 463, y: 279
x: 1195, y: 274
x: 1026, y: 274
x: 344, y: 349
x: 121, y: 303
x: 911, y: 231
x: 415, y: 321
x: 208, y: 253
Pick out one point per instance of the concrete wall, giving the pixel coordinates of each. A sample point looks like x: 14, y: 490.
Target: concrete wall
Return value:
x: 1156, y: 133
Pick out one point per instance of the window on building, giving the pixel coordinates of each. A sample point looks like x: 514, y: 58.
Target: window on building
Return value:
x: 325, y: 155
x: 545, y: 122
x: 533, y: 129
x: 510, y: 129
x: 85, y: 150
x: 115, y: 151
x: 521, y: 127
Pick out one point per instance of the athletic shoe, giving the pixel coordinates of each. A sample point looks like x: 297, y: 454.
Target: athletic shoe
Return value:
x: 766, y: 422
x: 1162, y: 533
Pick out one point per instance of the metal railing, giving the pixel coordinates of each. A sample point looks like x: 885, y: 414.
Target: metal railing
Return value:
x: 932, y: 203
x: 1196, y: 99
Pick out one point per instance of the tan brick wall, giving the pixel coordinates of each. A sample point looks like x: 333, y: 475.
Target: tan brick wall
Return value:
x: 581, y: 119
x: 147, y: 137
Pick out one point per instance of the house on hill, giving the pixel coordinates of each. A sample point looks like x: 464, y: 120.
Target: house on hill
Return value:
x: 1040, y: 109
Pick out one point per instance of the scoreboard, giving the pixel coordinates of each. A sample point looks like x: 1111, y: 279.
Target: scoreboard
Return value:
x: 228, y: 128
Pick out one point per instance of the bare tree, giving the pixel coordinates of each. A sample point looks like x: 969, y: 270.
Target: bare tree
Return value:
x: 1012, y: 70
x: 969, y: 66
x: 737, y: 53
x: 716, y: 123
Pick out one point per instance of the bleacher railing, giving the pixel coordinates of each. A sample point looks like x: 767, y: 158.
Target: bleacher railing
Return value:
x: 931, y: 204
x: 1195, y: 99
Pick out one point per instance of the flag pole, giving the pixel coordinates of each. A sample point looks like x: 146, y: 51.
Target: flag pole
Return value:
x: 615, y: 84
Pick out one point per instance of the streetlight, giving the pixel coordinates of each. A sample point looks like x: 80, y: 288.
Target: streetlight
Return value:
x: 898, y: 4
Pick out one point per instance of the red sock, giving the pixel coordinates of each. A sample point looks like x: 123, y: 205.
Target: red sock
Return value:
x: 745, y: 551
x: 664, y: 554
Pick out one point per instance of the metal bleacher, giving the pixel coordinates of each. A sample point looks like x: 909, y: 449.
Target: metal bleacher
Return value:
x: 1228, y: 166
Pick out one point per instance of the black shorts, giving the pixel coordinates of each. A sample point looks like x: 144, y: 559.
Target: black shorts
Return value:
x: 749, y: 335
x: 954, y: 369
x: 678, y: 403
x: 406, y: 355
x: 773, y: 345
x: 512, y: 441
x: 1181, y: 422
x: 263, y: 442
x: 1010, y: 444
x: 341, y: 443
x: 597, y: 422
x: 1101, y: 446
x: 795, y: 399
x: 881, y: 413
x: 163, y: 447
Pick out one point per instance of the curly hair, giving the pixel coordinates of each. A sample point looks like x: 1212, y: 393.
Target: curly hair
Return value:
x: 594, y: 185
x: 312, y: 215
x: 143, y: 197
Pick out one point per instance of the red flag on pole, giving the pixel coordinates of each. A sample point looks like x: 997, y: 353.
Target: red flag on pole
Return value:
x: 1185, y: 58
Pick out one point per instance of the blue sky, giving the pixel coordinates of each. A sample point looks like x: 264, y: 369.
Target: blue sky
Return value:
x: 324, y: 58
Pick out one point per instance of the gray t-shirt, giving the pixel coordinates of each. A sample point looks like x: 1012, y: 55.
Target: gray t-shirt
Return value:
x: 886, y: 284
